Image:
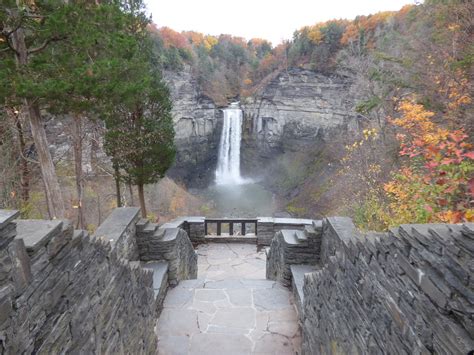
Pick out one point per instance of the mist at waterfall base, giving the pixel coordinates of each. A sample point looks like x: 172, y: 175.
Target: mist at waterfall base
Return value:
x: 234, y: 195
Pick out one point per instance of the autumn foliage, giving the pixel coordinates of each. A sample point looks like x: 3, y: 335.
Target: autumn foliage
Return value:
x: 436, y: 182
x: 364, y: 26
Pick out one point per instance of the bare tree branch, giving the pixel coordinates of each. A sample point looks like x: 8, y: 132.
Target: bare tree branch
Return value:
x: 45, y: 44
x: 10, y: 46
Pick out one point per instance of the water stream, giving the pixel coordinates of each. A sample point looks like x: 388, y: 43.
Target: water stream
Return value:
x: 228, y: 162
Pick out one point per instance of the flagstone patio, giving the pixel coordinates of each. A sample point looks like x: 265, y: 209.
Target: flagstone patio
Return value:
x: 230, y: 309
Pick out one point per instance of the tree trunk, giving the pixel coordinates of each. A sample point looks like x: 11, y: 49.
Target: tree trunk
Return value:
x: 141, y: 197
x: 77, y: 147
x: 23, y: 168
x: 53, y: 191
x: 117, y: 185
x: 24, y: 171
x: 31, y: 109
x: 130, y: 189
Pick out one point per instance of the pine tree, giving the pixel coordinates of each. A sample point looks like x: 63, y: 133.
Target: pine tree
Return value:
x: 137, y: 110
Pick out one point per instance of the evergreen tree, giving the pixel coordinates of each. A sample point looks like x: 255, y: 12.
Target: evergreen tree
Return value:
x: 27, y: 29
x: 56, y: 56
x: 137, y: 112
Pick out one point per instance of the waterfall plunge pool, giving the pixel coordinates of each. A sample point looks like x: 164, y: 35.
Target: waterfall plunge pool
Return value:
x: 232, y: 194
x: 242, y: 200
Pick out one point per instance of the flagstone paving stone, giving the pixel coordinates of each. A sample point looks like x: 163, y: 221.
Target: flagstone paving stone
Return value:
x: 230, y: 309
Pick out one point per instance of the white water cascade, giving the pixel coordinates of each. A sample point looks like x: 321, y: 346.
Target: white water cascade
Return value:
x: 228, y: 163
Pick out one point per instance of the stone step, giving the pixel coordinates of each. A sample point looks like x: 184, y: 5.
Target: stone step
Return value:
x: 247, y: 239
x: 297, y: 273
x: 301, y: 236
x: 150, y: 228
x: 141, y: 224
x: 80, y: 233
x: 293, y: 236
x: 160, y: 281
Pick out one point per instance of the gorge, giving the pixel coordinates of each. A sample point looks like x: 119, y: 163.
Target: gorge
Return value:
x: 298, y: 110
x: 311, y: 197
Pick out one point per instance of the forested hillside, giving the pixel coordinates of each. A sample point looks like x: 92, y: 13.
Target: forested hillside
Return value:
x: 412, y: 160
x: 86, y: 63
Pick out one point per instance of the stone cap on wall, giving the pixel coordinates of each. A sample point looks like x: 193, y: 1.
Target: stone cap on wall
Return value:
x: 286, y: 221
x: 7, y: 216
x: 116, y: 223
x: 7, y: 226
x: 36, y: 233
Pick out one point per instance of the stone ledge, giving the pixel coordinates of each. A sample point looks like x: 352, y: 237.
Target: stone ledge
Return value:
x: 119, y: 230
x: 291, y: 236
x: 160, y: 281
x: 250, y: 238
x: 7, y: 216
x: 298, y: 273
x: 37, y: 233
x: 116, y: 223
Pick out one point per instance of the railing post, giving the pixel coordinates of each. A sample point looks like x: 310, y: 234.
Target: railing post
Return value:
x: 205, y: 227
x: 231, y: 228
x: 256, y: 228
x: 218, y: 228
x: 243, y: 228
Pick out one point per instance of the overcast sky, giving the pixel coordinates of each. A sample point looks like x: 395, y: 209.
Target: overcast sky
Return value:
x: 270, y: 19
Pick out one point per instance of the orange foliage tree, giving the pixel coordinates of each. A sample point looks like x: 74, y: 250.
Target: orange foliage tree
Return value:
x: 364, y: 27
x: 171, y: 38
x: 436, y: 183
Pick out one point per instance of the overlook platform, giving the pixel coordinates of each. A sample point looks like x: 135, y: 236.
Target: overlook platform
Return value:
x: 230, y: 309
x: 138, y: 287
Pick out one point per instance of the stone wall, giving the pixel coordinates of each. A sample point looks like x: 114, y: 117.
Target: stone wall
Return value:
x: 169, y: 242
x: 62, y: 291
x: 268, y: 227
x: 119, y: 229
x: 290, y: 247
x: 408, y: 291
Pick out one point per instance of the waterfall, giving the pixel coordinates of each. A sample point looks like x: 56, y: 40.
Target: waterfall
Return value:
x: 228, y: 163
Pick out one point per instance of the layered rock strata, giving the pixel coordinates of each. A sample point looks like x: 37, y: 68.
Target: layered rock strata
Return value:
x: 197, y: 128
x: 294, y: 110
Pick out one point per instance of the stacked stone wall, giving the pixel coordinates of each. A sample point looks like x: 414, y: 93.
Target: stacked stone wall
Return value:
x: 169, y: 243
x: 293, y: 247
x: 66, y: 292
x: 268, y: 227
x: 408, y: 291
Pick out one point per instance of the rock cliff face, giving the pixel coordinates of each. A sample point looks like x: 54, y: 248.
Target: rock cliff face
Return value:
x: 197, y: 128
x: 295, y: 109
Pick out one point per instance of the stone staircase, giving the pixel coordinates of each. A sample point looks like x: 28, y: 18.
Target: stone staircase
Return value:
x: 160, y: 281
x: 297, y: 275
x: 167, y: 250
x: 292, y: 254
